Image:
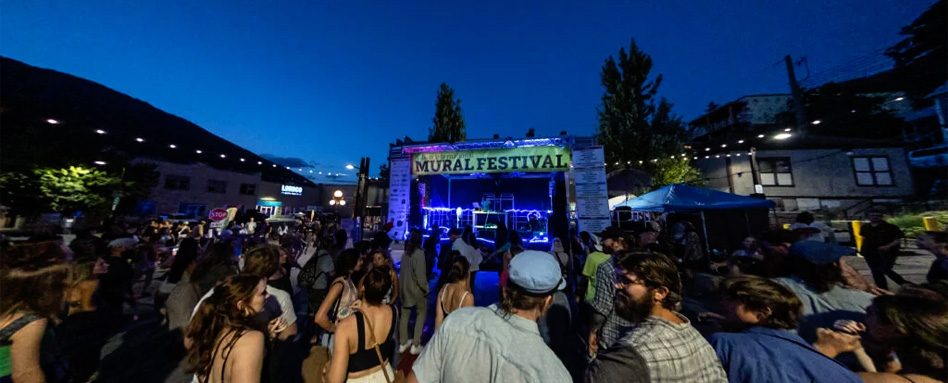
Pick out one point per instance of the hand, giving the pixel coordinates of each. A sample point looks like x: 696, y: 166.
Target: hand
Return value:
x: 593, y: 344
x: 876, y: 290
x: 325, y: 372
x: 849, y: 327
x: 832, y: 343
x: 277, y: 326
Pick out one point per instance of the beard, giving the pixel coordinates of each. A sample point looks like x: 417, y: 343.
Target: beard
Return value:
x: 631, y: 309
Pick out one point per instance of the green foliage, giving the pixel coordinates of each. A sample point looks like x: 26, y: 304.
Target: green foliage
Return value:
x: 634, y: 127
x: 913, y: 224
x: 75, y: 188
x: 448, y: 119
x: 669, y: 171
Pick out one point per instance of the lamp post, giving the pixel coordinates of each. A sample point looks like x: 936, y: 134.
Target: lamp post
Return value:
x: 337, y: 199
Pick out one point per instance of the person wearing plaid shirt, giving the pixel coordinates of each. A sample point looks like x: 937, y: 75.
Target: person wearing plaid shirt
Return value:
x: 662, y: 347
x: 606, y: 326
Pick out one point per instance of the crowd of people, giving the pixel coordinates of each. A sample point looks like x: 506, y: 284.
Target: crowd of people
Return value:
x: 259, y: 302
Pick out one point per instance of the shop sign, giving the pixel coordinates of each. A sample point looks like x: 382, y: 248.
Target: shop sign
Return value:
x: 269, y: 203
x: 291, y: 190
x: 530, y: 159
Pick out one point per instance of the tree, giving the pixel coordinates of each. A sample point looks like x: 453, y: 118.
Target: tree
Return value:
x: 75, y: 189
x: 675, y: 171
x: 632, y: 128
x: 921, y: 58
x: 711, y: 107
x: 384, y: 171
x: 448, y: 119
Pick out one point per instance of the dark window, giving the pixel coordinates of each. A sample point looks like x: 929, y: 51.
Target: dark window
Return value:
x: 248, y: 189
x: 872, y: 171
x: 775, y: 171
x: 214, y: 186
x: 177, y: 182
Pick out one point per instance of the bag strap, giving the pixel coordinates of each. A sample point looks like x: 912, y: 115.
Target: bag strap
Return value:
x: 375, y: 345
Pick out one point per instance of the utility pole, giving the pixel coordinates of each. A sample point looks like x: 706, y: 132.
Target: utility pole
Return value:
x: 797, y: 96
x: 755, y: 174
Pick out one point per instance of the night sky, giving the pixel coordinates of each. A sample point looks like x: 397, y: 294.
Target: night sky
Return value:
x: 330, y: 81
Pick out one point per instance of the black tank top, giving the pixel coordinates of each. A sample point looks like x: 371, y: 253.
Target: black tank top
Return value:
x: 364, y: 359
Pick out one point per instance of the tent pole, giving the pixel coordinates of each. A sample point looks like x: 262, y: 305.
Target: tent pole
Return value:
x: 707, y: 244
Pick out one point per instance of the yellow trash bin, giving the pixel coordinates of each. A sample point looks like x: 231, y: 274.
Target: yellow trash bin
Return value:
x: 857, y: 236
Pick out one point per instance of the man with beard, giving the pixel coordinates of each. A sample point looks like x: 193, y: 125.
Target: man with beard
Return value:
x: 605, y: 326
x: 662, y: 347
x: 761, y: 344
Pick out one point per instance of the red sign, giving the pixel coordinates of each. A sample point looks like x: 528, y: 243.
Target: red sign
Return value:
x: 218, y: 215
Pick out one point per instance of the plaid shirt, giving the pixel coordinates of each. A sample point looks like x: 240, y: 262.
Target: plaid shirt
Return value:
x: 604, y: 303
x: 674, y: 353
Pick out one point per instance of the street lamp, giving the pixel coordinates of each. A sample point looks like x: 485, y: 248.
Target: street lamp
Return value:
x: 337, y: 199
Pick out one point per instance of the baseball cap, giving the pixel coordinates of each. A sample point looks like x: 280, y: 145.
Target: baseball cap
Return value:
x: 536, y: 272
x: 596, y: 242
x: 612, y: 232
x: 124, y: 242
x: 819, y: 253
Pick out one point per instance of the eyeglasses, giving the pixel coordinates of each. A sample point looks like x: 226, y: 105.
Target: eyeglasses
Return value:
x: 624, y: 281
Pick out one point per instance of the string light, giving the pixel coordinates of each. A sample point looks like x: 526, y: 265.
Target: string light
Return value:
x: 99, y: 162
x: 723, y: 145
x: 52, y: 121
x: 223, y: 156
x: 198, y: 151
x: 139, y: 139
x: 172, y: 146
x: 760, y: 136
x: 100, y: 131
x: 740, y: 141
x: 259, y: 162
x: 242, y: 160
x: 707, y: 149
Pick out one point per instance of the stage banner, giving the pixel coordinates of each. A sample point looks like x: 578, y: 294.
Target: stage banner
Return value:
x: 592, y: 193
x: 399, y: 196
x: 530, y: 159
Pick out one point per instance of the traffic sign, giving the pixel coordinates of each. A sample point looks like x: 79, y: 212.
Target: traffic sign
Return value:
x: 218, y: 215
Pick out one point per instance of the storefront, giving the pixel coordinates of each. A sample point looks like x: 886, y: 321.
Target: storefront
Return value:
x: 536, y: 187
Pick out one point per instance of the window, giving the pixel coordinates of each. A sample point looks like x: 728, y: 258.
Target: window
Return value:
x: 248, y: 189
x: 177, y: 182
x: 214, y: 186
x: 872, y: 171
x: 775, y: 171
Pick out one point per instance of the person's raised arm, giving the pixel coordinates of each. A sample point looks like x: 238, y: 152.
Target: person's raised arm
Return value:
x: 322, y: 315
x: 247, y: 355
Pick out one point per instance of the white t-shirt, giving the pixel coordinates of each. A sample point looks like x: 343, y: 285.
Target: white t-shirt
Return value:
x: 473, y: 255
x: 282, y: 297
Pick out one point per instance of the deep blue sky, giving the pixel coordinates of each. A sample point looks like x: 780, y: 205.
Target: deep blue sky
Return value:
x: 330, y: 81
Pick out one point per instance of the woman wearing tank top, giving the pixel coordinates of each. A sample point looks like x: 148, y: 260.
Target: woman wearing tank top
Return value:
x: 226, y: 343
x: 456, y: 292
x: 355, y: 358
x: 28, y: 269
x: 342, y: 299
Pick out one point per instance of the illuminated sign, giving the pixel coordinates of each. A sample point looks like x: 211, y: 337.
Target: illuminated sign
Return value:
x: 291, y: 190
x: 528, y: 159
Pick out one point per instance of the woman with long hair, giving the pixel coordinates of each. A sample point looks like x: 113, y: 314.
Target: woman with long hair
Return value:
x: 414, y: 286
x: 381, y: 258
x: 226, y: 343
x: 356, y: 358
x: 456, y: 292
x: 34, y: 278
x: 341, y: 300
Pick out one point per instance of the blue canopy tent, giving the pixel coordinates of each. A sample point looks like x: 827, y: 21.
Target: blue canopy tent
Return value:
x: 681, y: 198
x: 691, y: 199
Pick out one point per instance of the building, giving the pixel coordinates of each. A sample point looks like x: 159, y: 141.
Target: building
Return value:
x: 743, y: 149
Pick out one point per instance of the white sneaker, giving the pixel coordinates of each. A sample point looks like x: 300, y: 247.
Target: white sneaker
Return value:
x: 404, y: 347
x: 415, y: 350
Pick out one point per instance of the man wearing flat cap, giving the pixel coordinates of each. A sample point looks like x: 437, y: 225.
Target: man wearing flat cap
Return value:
x: 500, y: 343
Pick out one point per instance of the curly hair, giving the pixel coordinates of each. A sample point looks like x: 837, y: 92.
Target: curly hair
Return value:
x: 656, y: 270
x: 218, y: 314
